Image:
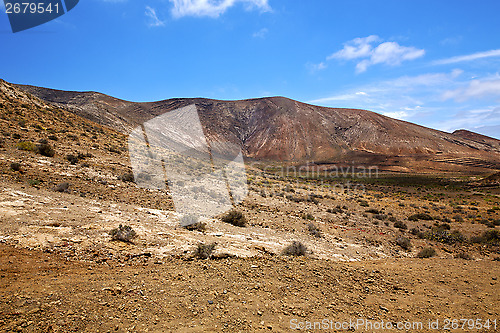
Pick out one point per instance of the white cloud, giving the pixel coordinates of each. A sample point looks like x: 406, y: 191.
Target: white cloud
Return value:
x: 389, y: 53
x: 397, y: 115
x: 316, y: 67
x: 356, y: 48
x: 470, y: 57
x: 407, y: 97
x: 475, y: 89
x: 262, y: 33
x: 154, y: 20
x: 213, y: 8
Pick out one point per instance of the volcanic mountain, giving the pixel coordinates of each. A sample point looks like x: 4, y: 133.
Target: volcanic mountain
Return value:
x: 278, y: 129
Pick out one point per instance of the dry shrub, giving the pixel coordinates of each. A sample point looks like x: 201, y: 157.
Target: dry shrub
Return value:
x: 404, y: 242
x: 235, y: 217
x: 204, y: 251
x: 426, y: 252
x: 123, y: 233
x: 295, y: 249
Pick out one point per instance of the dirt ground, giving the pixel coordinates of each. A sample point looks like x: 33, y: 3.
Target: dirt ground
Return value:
x: 43, y: 292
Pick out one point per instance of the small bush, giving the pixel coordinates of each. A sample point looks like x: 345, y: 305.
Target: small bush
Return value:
x: 441, y: 233
x: 127, y: 177
x: 15, y: 166
x: 204, y: 251
x: 373, y: 211
x: 198, y: 226
x: 235, y: 217
x: 26, y: 145
x: 463, y: 255
x: 363, y: 203
x: 314, y: 230
x: 426, y: 252
x: 53, y: 137
x: 72, y: 159
x: 488, y: 237
x: 34, y: 182
x: 307, y: 216
x: 487, y: 223
x: 420, y: 216
x: 295, y: 249
x: 400, y: 225
x: 404, y: 242
x: 380, y: 216
x: 335, y: 210
x: 62, y: 187
x: 190, y: 222
x: 45, y: 149
x: 123, y: 233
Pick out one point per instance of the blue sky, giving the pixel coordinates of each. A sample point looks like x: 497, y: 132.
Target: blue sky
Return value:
x: 434, y: 63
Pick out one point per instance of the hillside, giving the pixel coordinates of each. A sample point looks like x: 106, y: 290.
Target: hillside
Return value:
x: 278, y: 129
x: 392, y: 248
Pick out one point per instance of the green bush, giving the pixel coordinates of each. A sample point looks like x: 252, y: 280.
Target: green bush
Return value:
x: 34, y: 182
x: 426, y: 252
x: 442, y: 235
x: 26, y: 145
x: 307, y: 216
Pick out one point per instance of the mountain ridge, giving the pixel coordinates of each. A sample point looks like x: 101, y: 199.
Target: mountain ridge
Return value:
x: 280, y: 129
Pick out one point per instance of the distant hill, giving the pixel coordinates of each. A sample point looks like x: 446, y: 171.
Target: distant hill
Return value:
x: 478, y: 137
x: 279, y: 129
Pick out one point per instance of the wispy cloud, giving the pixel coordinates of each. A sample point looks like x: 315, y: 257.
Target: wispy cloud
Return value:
x: 262, y: 33
x: 213, y: 8
x: 316, y: 67
x: 470, y: 57
x: 405, y: 97
x: 472, y: 119
x: 154, y: 21
x: 429, y: 99
x: 363, y: 50
x: 475, y: 89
